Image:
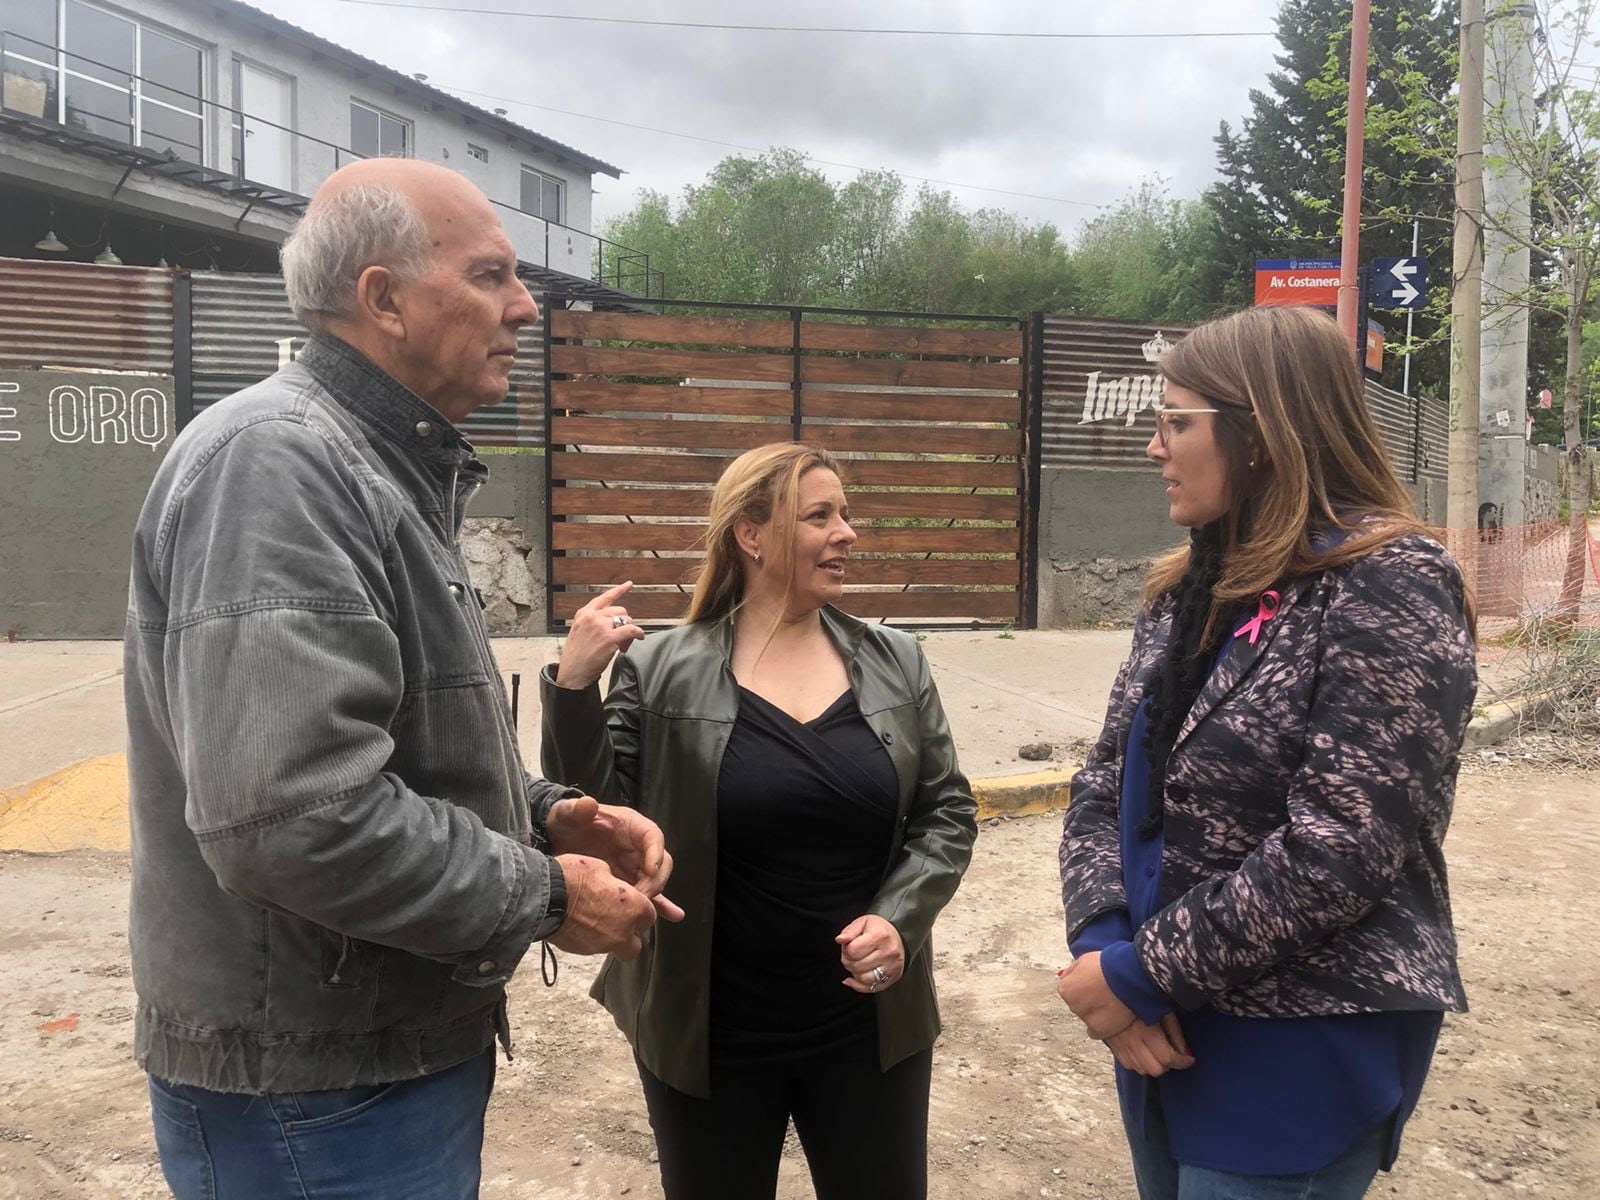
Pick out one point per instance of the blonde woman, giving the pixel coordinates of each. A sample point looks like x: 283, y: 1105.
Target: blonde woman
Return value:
x: 1252, y: 863
x: 799, y: 764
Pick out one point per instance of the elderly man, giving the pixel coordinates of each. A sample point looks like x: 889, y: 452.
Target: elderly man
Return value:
x: 338, y: 858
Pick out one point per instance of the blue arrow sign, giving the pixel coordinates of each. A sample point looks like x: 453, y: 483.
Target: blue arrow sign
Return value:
x: 1399, y: 282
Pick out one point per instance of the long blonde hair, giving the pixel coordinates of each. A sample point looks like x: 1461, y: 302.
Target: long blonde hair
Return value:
x: 757, y: 486
x: 1291, y: 399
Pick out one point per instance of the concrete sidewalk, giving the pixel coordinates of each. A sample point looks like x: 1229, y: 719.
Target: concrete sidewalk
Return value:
x: 63, y: 777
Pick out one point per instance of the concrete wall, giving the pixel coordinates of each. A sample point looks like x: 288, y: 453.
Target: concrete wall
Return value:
x: 1542, y: 485
x: 1098, y: 531
x: 503, y: 542
x: 1431, y: 498
x: 79, y: 451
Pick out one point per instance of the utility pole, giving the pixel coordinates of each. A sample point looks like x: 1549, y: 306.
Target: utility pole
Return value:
x: 1508, y: 91
x: 1466, y: 291
x: 1354, y: 156
x: 1411, y: 314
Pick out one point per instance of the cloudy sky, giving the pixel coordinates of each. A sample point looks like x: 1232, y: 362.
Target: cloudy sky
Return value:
x: 1073, y: 123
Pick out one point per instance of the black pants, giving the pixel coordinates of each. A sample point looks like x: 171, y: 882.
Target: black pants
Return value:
x: 864, y: 1130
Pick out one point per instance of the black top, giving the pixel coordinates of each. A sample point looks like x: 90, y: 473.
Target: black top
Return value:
x: 805, y: 823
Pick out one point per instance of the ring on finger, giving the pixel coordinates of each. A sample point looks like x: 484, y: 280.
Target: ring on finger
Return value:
x: 879, y: 977
x: 618, y: 621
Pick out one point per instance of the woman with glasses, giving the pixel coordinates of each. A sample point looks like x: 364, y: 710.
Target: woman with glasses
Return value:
x: 1251, y: 865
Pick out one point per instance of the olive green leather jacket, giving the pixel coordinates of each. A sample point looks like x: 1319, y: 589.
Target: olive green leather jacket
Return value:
x: 656, y: 744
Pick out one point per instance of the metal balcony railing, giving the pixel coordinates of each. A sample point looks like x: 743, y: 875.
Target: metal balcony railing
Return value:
x: 151, y: 120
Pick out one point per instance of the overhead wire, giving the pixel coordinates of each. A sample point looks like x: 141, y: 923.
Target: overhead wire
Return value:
x: 1075, y: 35
x: 566, y: 112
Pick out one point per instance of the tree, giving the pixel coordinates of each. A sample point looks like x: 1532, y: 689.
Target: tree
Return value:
x: 759, y: 230
x: 1556, y: 149
x: 868, y: 217
x: 772, y: 229
x: 1148, y: 259
x: 1282, y: 172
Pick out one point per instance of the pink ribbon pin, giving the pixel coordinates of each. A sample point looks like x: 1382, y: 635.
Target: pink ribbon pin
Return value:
x: 1268, y: 610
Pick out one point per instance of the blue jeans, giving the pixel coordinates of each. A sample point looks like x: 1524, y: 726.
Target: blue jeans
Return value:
x: 1162, y: 1177
x: 421, y: 1139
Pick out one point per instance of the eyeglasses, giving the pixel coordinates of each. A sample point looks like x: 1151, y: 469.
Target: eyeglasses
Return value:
x: 1164, y: 415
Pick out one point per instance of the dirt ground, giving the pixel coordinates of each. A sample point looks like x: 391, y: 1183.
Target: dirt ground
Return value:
x: 1023, y: 1104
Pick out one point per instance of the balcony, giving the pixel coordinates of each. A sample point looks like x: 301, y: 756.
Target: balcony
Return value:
x: 53, y: 96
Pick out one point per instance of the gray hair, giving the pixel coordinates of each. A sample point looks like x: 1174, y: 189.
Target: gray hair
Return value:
x: 360, y: 226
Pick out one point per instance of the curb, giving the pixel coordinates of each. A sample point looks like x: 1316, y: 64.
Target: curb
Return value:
x: 81, y: 807
x: 1023, y: 795
x: 1500, y: 721
x: 1048, y: 791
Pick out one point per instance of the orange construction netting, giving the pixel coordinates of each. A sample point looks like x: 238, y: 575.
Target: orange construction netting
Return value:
x: 1530, y: 572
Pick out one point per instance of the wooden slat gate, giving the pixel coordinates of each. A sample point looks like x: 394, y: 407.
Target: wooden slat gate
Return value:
x: 928, y: 415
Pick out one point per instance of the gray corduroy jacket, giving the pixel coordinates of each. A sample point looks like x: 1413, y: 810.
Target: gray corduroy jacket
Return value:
x: 334, y: 840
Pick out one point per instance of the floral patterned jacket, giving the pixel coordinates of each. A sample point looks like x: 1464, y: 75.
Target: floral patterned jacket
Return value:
x: 1307, y: 799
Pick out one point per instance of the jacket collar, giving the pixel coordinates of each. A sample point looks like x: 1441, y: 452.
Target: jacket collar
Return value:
x: 380, y: 400
x: 846, y: 633
x: 1241, y: 656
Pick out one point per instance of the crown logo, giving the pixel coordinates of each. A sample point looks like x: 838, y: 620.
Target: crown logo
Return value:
x: 1155, y: 347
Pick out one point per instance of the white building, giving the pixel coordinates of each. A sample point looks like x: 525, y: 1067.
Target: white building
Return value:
x: 193, y: 130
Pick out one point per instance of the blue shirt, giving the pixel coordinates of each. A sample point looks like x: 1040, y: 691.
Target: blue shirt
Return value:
x: 1265, y: 1096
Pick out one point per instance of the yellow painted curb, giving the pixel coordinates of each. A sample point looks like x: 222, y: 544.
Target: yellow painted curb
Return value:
x: 82, y: 807
x: 85, y: 806
x: 1023, y: 795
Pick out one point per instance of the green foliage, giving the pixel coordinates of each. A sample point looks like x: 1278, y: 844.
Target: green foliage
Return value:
x: 1149, y: 259
x: 773, y: 230
x: 1282, y: 171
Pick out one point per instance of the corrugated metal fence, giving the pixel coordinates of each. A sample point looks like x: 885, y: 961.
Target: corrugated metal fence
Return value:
x: 216, y: 332
x: 62, y: 314
x: 241, y: 322
x: 236, y: 327
x: 1097, y: 377
x: 1099, y: 380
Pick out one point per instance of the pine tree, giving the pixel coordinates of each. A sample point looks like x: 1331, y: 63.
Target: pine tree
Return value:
x: 1282, y: 172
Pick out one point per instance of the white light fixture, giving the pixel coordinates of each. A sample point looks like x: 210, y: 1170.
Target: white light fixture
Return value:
x: 108, y: 257
x: 50, y: 243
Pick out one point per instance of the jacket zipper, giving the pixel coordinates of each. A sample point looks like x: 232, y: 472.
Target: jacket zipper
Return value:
x: 450, y: 512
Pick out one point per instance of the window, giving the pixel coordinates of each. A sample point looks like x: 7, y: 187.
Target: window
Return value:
x: 105, y: 74
x: 31, y: 68
x: 375, y: 134
x: 541, y: 195
x: 170, y: 115
x: 477, y: 152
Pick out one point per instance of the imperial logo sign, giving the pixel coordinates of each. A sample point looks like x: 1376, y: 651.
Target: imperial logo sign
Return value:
x: 1309, y: 281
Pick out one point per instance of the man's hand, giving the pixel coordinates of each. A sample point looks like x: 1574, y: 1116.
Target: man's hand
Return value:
x: 1152, y: 1049
x: 628, y: 842
x: 604, y: 914
x: 1084, y: 988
